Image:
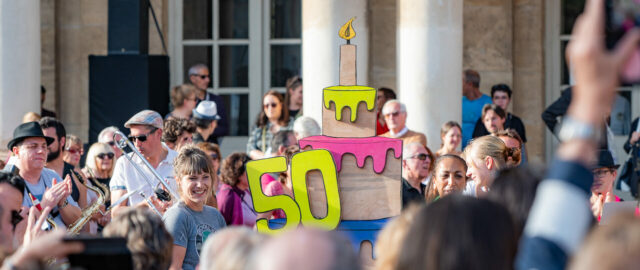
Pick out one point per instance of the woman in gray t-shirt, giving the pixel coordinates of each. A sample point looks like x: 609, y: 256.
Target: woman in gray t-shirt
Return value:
x: 191, y: 221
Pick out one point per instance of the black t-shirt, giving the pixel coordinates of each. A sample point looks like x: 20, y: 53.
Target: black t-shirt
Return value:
x: 293, y: 113
x: 512, y: 122
x: 68, y: 169
x: 410, y: 194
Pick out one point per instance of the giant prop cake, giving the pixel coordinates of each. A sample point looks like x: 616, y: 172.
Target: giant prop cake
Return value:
x: 367, y: 168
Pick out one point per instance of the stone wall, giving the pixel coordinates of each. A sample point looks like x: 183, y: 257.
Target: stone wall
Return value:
x: 72, y: 30
x: 382, y: 43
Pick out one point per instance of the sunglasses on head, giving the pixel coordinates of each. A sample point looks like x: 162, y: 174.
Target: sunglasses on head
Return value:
x: 105, y: 155
x: 142, y: 137
x: 420, y: 157
x: 15, y: 218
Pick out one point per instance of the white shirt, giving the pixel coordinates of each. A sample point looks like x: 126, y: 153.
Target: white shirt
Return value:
x: 400, y: 133
x: 126, y: 176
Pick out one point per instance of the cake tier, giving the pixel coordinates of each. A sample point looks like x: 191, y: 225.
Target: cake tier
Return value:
x: 349, y: 111
x: 369, y: 177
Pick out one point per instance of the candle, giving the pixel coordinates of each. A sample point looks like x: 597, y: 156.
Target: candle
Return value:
x: 347, y: 55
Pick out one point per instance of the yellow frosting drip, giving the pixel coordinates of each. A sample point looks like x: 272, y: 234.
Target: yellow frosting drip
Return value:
x: 349, y: 96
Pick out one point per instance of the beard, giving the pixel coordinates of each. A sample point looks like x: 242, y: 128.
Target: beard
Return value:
x: 53, y: 155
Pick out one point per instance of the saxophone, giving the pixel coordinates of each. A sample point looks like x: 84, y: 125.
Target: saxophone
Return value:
x: 88, y: 212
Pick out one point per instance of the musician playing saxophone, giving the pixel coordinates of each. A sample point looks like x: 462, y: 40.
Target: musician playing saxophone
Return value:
x: 146, y: 134
x: 43, y: 187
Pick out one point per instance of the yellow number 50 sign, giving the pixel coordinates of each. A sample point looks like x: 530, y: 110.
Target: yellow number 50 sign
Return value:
x: 297, y: 210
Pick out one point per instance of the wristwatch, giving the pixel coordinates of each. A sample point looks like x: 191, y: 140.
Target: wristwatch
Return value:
x: 64, y: 204
x: 573, y: 129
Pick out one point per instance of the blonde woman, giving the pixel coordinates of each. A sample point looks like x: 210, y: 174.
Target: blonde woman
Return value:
x: 98, y: 169
x: 451, y: 136
x: 485, y: 157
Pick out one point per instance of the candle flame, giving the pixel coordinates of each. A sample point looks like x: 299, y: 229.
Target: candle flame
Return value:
x: 346, y: 31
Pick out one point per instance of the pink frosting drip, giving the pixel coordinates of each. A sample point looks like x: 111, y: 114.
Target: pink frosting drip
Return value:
x: 361, y: 148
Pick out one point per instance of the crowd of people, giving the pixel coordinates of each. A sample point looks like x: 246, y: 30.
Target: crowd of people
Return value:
x: 474, y: 203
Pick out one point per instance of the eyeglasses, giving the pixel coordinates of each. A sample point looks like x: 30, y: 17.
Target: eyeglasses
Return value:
x: 74, y: 151
x: 202, y: 76
x: 105, y: 155
x: 394, y: 114
x: 15, y: 218
x: 601, y: 173
x: 422, y: 157
x: 142, y: 137
x: 270, y: 105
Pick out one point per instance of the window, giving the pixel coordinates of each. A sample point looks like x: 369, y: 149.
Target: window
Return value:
x: 561, y: 16
x: 250, y: 47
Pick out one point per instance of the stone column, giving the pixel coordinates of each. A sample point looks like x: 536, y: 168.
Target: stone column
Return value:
x: 19, y: 64
x: 429, y: 52
x: 321, y: 21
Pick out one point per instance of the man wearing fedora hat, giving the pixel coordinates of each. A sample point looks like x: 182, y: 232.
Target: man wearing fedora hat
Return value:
x: 206, y: 117
x: 146, y: 135
x: 605, y: 173
x: 43, y: 187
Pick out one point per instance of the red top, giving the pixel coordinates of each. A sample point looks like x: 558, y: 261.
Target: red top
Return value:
x: 380, y: 128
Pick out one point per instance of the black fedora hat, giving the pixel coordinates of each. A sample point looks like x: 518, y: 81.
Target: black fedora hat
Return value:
x: 605, y: 159
x: 27, y: 130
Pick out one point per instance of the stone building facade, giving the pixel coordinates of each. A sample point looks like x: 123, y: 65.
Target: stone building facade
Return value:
x: 507, y: 41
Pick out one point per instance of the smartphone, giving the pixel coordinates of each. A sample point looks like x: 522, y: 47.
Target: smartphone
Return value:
x: 100, y: 253
x: 622, y: 16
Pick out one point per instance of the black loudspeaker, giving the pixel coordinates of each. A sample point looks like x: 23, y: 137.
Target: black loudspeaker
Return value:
x: 122, y: 85
x: 128, y: 27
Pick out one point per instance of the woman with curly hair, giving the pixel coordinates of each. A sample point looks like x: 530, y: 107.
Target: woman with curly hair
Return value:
x: 234, y: 199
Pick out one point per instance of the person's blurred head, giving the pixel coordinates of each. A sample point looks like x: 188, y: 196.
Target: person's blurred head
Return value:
x: 501, y: 95
x: 305, y: 126
x: 106, y: 136
x: 486, y: 156
x: 459, y: 232
x: 605, y: 173
x: 273, y: 109
x: 31, y: 117
x: 449, y: 176
x: 100, y: 158
x: 285, y: 177
x: 615, y: 245
x: 470, y: 81
x: 294, y: 91
x: 199, y: 76
x: 306, y: 249
x: 512, y: 140
x: 213, y: 151
x: 515, y: 188
x: 184, y: 96
x: 233, y: 171
x: 395, y: 115
x: 281, y: 140
x: 73, y: 150
x: 53, y: 128
x: 11, y: 195
x: 493, y: 118
x: 388, y: 245
x: 230, y: 248
x: 193, y: 171
x: 451, y: 135
x: 177, y: 132
x: 147, y: 238
x: 383, y: 95
x: 416, y: 162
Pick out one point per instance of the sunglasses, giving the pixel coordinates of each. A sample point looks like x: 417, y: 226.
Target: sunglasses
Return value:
x: 15, y: 218
x: 394, y: 114
x: 214, y: 156
x: 74, y: 151
x: 201, y: 76
x: 105, y: 155
x: 111, y: 143
x: 422, y: 157
x: 142, y: 137
x: 270, y: 105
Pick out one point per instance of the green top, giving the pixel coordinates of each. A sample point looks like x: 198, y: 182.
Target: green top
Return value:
x: 349, y: 96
